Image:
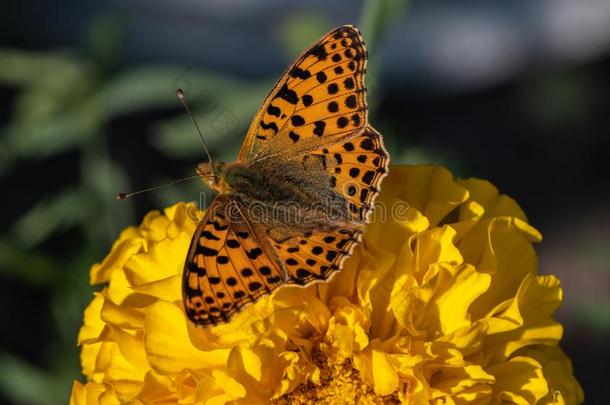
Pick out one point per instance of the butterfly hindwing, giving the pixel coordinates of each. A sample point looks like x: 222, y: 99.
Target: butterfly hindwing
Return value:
x: 354, y: 169
x: 317, y: 255
x: 321, y: 96
x: 357, y: 166
x: 226, y: 267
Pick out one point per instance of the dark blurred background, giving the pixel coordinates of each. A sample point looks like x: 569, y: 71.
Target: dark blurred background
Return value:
x: 514, y: 92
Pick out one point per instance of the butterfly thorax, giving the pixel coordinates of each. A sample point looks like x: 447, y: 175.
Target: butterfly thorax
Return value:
x: 279, y: 193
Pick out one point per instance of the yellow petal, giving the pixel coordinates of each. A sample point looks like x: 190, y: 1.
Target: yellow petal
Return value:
x: 169, y: 348
x: 558, y: 372
x: 92, y: 324
x: 88, y: 359
x: 154, y: 226
x: 245, y: 361
x: 121, y: 252
x: 92, y: 394
x: 528, y: 319
x: 166, y: 257
x: 158, y: 389
x: 125, y: 377
x: 374, y: 285
x: 520, y: 380
x: 294, y: 372
x: 167, y: 289
x: 224, y: 389
x: 79, y: 394
x: 430, y: 189
x: 468, y: 339
x: 494, y: 203
x: 121, y: 316
x: 300, y: 314
x: 392, y: 223
x: 435, y: 246
x: 453, y: 303
x: 385, y: 378
x: 229, y: 385
x: 184, y: 216
x: 468, y: 382
x: 503, y: 249
x: 131, y: 347
x: 119, y: 287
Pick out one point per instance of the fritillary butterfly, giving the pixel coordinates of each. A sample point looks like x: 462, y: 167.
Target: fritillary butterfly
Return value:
x: 292, y: 208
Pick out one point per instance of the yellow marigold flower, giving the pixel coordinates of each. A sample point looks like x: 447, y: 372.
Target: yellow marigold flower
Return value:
x: 441, y: 303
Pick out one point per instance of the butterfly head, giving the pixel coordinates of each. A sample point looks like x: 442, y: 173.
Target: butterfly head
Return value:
x: 212, y: 174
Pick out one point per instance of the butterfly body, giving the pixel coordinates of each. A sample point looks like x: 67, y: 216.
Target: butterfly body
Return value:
x: 278, y: 193
x: 292, y: 207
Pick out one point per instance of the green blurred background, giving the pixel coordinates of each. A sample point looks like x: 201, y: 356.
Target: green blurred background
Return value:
x: 513, y: 92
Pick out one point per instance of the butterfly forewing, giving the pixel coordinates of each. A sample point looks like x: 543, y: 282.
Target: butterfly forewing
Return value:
x: 320, y: 97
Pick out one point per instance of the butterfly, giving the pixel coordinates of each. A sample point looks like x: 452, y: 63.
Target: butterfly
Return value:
x: 292, y: 207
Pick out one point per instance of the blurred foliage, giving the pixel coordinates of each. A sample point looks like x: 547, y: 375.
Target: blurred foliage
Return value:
x: 299, y: 30
x: 596, y: 316
x: 375, y: 21
x: 64, y: 102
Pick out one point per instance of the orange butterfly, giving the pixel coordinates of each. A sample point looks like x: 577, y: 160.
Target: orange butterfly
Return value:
x: 292, y: 208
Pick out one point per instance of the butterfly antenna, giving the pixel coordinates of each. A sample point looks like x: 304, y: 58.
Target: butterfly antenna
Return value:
x: 122, y: 196
x: 182, y: 99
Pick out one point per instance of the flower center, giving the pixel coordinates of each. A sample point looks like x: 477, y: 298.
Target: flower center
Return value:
x: 339, y: 384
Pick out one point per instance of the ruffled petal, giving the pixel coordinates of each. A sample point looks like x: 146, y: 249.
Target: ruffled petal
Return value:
x: 170, y: 349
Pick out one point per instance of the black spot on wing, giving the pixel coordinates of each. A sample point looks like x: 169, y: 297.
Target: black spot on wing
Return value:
x: 307, y: 100
x: 319, y: 128
x: 272, y: 126
x: 273, y: 110
x: 300, y: 73
x: 254, y: 253
x: 209, y: 235
x: 350, y: 101
x: 233, y: 243
x: 206, y: 251
x: 319, y: 52
x: 288, y: 95
x: 293, y: 136
x: 367, y: 144
x: 368, y: 177
x: 297, y: 120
